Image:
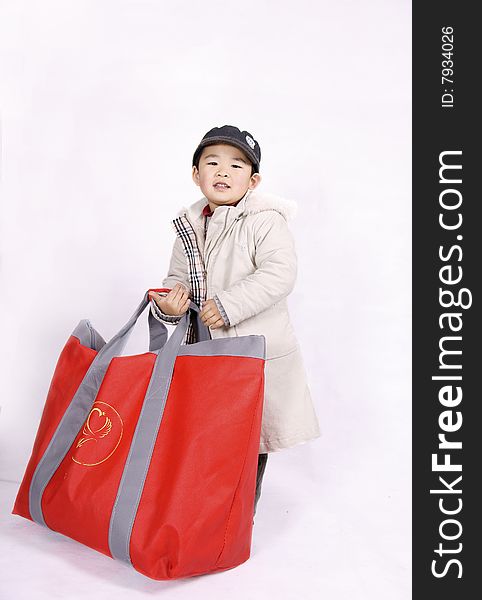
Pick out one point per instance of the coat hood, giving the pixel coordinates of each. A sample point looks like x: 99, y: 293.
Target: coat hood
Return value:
x: 252, y: 202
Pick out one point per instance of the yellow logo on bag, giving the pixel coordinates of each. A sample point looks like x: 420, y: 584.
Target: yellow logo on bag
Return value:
x: 100, y: 436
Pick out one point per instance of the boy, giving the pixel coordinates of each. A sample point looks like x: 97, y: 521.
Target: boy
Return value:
x: 234, y: 256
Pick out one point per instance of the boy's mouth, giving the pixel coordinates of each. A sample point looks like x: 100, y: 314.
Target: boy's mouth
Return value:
x: 221, y: 186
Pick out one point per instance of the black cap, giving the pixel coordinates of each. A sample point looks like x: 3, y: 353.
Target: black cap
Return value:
x: 228, y: 134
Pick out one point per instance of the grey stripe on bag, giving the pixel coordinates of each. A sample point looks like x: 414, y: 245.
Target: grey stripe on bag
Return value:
x: 63, y: 438
x: 250, y: 346
x: 142, y: 446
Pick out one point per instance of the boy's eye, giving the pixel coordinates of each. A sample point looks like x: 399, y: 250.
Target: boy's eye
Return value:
x: 215, y: 163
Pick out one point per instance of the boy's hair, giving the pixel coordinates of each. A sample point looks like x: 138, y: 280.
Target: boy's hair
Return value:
x: 196, y: 162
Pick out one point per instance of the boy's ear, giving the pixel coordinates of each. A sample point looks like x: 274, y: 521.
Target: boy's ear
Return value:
x: 195, y: 175
x: 254, y: 181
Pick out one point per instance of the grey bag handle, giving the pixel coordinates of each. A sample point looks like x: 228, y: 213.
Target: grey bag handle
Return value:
x: 157, y: 333
x: 115, y: 346
x: 88, y: 336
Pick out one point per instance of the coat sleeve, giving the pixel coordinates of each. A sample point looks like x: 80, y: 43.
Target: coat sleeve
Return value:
x: 222, y: 312
x: 275, y: 273
x: 178, y: 268
x: 177, y: 273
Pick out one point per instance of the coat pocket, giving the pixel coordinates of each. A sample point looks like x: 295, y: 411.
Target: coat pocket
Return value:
x: 274, y: 323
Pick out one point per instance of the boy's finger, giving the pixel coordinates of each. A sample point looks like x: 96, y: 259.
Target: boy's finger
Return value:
x: 216, y: 324
x: 179, y: 290
x: 209, y: 316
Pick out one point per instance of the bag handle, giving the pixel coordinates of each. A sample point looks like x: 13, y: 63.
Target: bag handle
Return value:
x: 158, y: 331
x: 115, y: 346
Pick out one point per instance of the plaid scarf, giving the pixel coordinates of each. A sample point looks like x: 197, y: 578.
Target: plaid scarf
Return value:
x: 196, y: 270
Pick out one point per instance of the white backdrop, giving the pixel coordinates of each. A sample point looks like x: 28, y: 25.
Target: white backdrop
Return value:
x: 102, y: 105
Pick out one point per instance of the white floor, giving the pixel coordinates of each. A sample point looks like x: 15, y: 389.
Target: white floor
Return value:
x: 311, y: 540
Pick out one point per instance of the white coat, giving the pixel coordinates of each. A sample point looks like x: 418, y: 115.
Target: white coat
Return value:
x: 251, y: 264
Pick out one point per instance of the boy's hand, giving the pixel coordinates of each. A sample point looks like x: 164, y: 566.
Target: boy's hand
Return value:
x: 210, y: 315
x: 175, y: 303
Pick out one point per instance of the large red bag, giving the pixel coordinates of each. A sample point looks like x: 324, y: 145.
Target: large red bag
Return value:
x: 151, y: 459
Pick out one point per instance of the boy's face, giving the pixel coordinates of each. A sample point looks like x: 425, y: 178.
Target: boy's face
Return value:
x: 224, y: 164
